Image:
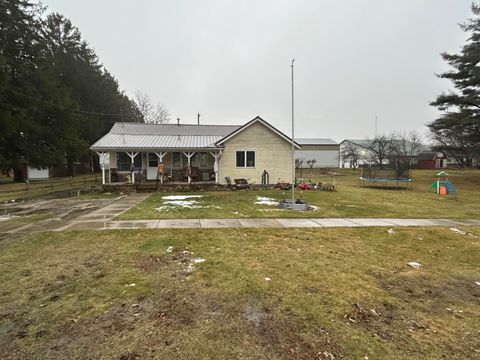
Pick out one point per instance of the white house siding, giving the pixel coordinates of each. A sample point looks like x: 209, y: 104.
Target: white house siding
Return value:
x: 325, y: 158
x: 272, y: 153
x: 37, y: 173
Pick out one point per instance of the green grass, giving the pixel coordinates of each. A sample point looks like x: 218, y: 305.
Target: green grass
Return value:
x: 64, y: 295
x: 350, y: 200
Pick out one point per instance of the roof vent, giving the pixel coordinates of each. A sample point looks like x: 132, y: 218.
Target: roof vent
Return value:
x: 178, y: 121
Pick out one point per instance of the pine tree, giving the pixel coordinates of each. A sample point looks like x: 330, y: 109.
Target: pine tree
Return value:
x: 457, y: 131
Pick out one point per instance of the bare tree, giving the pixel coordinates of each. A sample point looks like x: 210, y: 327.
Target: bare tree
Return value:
x: 152, y: 114
x: 311, y: 163
x: 380, y: 148
x: 350, y: 154
x: 406, y: 147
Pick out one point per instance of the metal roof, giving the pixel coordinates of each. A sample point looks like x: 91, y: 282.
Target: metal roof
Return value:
x: 134, y: 136
x: 315, y: 141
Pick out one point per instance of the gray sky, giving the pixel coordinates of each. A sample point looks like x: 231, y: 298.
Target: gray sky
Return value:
x: 230, y: 60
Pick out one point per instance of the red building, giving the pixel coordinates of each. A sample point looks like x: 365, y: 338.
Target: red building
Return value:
x: 432, y: 160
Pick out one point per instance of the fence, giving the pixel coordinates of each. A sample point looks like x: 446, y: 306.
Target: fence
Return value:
x: 50, y: 185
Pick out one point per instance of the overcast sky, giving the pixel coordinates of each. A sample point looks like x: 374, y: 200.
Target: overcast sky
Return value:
x: 230, y: 60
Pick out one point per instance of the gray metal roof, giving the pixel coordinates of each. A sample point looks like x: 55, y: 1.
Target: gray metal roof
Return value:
x: 315, y: 141
x: 360, y: 142
x: 134, y: 136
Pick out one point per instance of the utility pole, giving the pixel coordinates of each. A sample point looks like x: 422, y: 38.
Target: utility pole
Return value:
x: 293, y: 141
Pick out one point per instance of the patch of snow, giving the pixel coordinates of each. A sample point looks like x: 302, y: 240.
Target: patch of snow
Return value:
x: 261, y: 200
x: 170, y: 249
x: 477, y: 282
x: 198, y: 260
x: 180, y: 197
x: 391, y: 231
x: 131, y: 285
x: 313, y: 207
x: 414, y: 264
x: 458, y: 231
x: 7, y: 217
x: 462, y: 232
x: 267, y: 279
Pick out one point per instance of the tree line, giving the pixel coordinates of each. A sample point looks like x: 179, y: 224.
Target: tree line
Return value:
x: 56, y: 97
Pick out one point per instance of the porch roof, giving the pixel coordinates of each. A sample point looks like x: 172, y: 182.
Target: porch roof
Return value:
x: 137, y: 136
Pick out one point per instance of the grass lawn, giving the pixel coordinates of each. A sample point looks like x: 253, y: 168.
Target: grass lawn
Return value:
x: 259, y: 294
x: 350, y: 200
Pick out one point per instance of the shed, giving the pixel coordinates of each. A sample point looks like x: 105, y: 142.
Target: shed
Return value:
x: 432, y: 160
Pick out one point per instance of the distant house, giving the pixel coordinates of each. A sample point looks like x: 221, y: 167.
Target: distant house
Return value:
x: 198, y: 153
x: 37, y: 173
x: 321, y: 153
x: 432, y: 160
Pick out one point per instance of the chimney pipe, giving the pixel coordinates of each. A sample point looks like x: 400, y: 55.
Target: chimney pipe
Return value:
x: 178, y: 121
x: 198, y: 118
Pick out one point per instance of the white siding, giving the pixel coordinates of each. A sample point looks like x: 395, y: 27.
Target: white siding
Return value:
x: 37, y: 173
x: 325, y: 158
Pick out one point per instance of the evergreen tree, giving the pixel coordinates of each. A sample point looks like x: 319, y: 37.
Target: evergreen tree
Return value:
x: 457, y: 131
x: 56, y: 98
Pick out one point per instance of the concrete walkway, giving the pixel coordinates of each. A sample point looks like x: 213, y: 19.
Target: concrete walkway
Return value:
x: 102, y: 219
x: 104, y: 224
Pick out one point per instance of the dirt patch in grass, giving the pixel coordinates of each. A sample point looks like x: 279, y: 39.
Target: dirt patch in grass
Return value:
x: 282, y: 335
x: 423, y: 291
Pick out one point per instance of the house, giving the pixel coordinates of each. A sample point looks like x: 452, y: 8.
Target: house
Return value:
x: 320, y: 153
x: 432, y: 160
x: 37, y: 173
x: 198, y: 153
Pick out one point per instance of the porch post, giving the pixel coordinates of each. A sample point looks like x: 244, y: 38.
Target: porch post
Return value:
x: 189, y: 156
x: 102, y: 158
x: 132, y: 157
x: 215, y: 164
x: 160, y: 156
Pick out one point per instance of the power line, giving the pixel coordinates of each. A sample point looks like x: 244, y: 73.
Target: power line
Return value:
x: 67, y: 108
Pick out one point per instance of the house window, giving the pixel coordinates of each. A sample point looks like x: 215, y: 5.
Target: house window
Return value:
x: 124, y: 162
x: 200, y: 160
x: 152, y: 160
x: 177, y: 160
x: 245, y: 159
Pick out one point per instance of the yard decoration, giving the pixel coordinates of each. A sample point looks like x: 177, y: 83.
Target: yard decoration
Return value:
x: 442, y: 186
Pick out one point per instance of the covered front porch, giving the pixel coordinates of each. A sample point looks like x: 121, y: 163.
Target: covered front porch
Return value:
x: 160, y: 166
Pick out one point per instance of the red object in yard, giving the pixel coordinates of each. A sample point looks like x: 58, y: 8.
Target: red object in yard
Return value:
x: 305, y: 186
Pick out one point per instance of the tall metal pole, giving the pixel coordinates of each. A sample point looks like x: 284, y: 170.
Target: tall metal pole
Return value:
x: 293, y: 141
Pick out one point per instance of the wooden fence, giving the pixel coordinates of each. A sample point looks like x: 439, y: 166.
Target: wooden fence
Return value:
x: 50, y: 185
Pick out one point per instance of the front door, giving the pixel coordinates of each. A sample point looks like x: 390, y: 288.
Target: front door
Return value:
x: 152, y: 168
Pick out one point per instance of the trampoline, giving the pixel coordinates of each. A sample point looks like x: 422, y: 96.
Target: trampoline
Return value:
x: 397, y: 177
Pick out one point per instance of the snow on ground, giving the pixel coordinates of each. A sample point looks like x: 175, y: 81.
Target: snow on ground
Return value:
x: 181, y: 202
x: 180, y: 197
x: 7, y: 217
x: 261, y: 200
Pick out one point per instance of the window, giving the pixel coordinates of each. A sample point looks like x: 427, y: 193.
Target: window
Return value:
x: 152, y: 160
x: 177, y: 160
x: 124, y: 162
x: 200, y: 160
x: 245, y: 159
